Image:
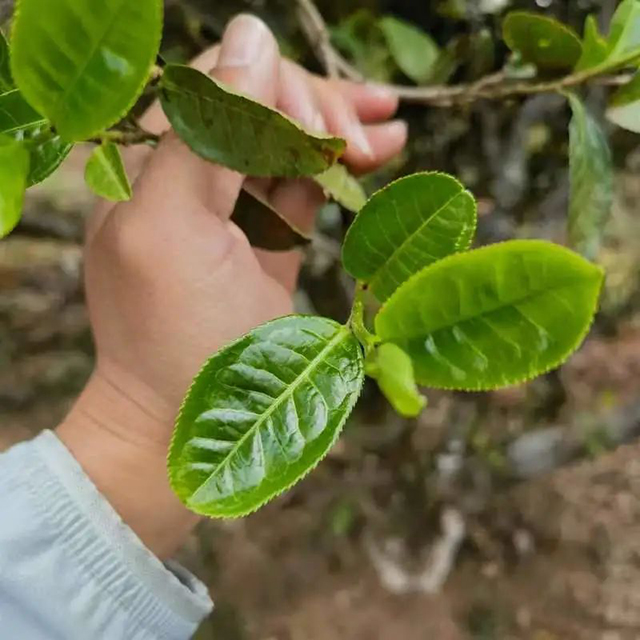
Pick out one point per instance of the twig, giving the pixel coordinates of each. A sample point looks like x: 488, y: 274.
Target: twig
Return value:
x: 493, y: 87
x: 128, y: 138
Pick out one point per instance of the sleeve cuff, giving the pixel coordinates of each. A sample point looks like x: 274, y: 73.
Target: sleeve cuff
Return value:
x: 166, y: 600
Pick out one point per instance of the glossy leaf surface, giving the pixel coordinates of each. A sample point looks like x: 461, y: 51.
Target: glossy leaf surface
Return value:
x: 232, y: 130
x: 413, y: 50
x: 105, y: 174
x: 84, y: 63
x: 16, y: 114
x: 624, y: 108
x: 406, y: 226
x: 591, y: 171
x: 493, y: 317
x: 541, y: 40
x: 393, y: 370
x: 595, y: 47
x: 339, y: 185
x: 6, y: 81
x: 262, y: 413
x: 264, y: 227
x: 14, y: 169
x: 624, y: 35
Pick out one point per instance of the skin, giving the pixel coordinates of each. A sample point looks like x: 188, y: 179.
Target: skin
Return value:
x: 170, y: 280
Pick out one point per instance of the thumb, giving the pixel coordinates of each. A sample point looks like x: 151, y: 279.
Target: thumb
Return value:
x: 249, y: 62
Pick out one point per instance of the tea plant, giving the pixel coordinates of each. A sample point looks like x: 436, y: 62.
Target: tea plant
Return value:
x: 427, y: 311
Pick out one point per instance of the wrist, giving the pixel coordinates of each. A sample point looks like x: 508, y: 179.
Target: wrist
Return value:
x: 119, y: 431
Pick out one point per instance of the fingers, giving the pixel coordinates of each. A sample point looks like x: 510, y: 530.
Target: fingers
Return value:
x: 372, y: 102
x: 387, y: 140
x: 249, y: 62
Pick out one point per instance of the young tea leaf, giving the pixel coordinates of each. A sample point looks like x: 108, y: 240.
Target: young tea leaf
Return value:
x: 264, y: 227
x: 106, y: 175
x: 493, y: 317
x: 595, y: 47
x: 591, y: 169
x: 341, y: 186
x: 393, y: 370
x: 83, y: 63
x: 262, y: 413
x: 624, y: 35
x: 14, y: 169
x: 541, y: 40
x: 624, y: 107
x: 405, y: 227
x: 413, y: 50
x: 16, y: 114
x: 264, y: 142
x: 6, y: 81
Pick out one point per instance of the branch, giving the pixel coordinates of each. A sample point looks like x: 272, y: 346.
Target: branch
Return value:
x: 128, y: 138
x: 493, y: 87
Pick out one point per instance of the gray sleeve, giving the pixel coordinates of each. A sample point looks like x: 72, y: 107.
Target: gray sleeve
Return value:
x: 71, y: 569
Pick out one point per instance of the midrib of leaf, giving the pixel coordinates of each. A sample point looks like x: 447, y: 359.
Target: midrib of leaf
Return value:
x: 303, y: 377
x: 95, y: 48
x: 499, y: 307
x: 409, y: 238
x: 110, y: 170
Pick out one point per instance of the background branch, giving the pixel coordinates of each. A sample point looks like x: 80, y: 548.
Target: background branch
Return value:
x: 493, y: 87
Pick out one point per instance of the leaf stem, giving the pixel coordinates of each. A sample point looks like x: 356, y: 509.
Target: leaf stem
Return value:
x: 356, y: 321
x: 128, y: 138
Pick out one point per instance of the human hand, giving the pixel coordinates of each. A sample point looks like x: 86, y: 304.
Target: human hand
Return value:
x: 170, y: 279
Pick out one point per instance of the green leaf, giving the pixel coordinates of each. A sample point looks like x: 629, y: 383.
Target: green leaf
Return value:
x: 264, y: 227
x: 106, y: 175
x: 541, y: 40
x: 413, y: 50
x: 83, y: 63
x: 6, y: 81
x: 16, y: 114
x: 361, y: 39
x: 233, y: 130
x: 393, y: 370
x: 624, y: 107
x: 341, y: 186
x: 21, y: 122
x: 14, y: 169
x: 624, y: 34
x: 591, y: 171
x: 595, y: 47
x: 406, y: 226
x: 262, y: 413
x: 493, y: 317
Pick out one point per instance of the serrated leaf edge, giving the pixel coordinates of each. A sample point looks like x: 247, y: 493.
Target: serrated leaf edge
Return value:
x: 344, y: 329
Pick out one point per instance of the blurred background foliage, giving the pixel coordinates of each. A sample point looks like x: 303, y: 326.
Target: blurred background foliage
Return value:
x: 473, y: 521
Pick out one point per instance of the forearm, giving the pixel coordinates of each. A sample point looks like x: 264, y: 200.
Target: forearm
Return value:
x: 122, y: 444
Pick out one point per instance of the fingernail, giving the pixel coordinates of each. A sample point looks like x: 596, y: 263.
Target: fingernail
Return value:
x: 359, y: 139
x: 399, y: 128
x: 318, y: 125
x: 243, y: 42
x: 381, y: 92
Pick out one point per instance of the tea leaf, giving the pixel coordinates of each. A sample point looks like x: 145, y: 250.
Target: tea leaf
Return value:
x: 105, y: 173
x: 393, y: 370
x: 624, y: 35
x: 541, y: 40
x: 413, y: 50
x: 262, y: 413
x: 264, y: 227
x: 341, y: 186
x: 82, y: 63
x: 233, y: 130
x: 595, y: 48
x: 14, y: 169
x: 493, y: 317
x: 624, y: 107
x: 591, y: 169
x: 406, y: 226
